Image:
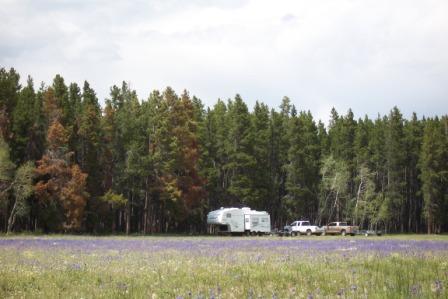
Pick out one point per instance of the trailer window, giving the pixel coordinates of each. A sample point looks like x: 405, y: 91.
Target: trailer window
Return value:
x: 228, y: 215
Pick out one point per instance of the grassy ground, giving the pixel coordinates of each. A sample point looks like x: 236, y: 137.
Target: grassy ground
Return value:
x: 399, y: 266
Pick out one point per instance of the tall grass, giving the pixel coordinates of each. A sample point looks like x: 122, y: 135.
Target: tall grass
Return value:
x: 200, y: 269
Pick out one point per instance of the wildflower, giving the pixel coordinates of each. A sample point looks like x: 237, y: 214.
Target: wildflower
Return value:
x: 353, y: 287
x: 415, y: 289
x: 310, y: 296
x: 75, y: 266
x: 340, y: 292
x: 122, y: 286
x: 437, y: 286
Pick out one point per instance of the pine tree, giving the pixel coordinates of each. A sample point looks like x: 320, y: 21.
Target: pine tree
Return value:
x: 23, y: 121
x: 240, y: 161
x: 434, y: 173
x: 413, y: 131
x: 260, y: 174
x: 303, y: 169
x: 89, y: 135
x: 395, y: 155
x: 59, y: 181
x: 9, y: 89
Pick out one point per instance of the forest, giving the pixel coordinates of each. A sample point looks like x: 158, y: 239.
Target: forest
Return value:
x: 160, y: 164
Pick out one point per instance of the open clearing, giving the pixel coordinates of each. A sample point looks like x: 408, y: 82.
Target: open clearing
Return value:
x: 224, y: 267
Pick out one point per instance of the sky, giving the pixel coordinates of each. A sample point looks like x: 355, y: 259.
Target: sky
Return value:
x: 367, y: 55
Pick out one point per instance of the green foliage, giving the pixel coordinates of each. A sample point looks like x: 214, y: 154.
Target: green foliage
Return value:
x: 174, y: 159
x: 23, y: 120
x: 6, y: 166
x: 434, y: 173
x: 334, y: 190
x: 116, y: 201
x: 303, y: 178
x: 9, y: 89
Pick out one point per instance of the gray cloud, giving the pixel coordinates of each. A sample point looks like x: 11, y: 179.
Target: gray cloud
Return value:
x: 368, y: 55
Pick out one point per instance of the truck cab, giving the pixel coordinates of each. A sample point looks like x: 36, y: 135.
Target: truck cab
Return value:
x: 302, y: 227
x: 342, y: 228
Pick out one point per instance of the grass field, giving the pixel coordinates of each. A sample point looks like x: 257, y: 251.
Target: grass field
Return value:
x: 401, y: 266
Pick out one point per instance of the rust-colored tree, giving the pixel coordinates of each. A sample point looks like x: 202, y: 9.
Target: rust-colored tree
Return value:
x: 60, y: 180
x: 184, y: 180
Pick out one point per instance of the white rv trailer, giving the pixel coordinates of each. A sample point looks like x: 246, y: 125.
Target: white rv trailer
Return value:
x: 239, y: 220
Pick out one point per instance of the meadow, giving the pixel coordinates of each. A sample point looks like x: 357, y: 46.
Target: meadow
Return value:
x: 58, y: 266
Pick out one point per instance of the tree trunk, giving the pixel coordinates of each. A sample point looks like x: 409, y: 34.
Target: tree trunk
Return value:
x: 128, y: 216
x: 145, y: 214
x: 12, y: 218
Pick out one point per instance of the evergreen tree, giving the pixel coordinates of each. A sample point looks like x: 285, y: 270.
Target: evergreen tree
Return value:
x: 23, y: 121
x: 413, y: 131
x: 395, y: 155
x: 303, y: 169
x: 89, y: 135
x: 60, y: 183
x: 9, y: 89
x: 260, y: 174
x: 240, y: 161
x: 434, y: 173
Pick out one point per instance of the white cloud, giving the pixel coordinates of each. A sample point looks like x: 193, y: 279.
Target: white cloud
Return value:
x: 367, y: 55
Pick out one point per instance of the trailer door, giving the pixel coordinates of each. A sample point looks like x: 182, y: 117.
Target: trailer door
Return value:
x: 246, y: 222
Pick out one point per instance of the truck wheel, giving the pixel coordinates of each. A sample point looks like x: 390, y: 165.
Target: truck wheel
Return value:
x: 308, y: 232
x: 343, y: 233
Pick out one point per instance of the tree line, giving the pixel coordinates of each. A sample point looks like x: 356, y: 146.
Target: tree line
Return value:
x: 67, y: 164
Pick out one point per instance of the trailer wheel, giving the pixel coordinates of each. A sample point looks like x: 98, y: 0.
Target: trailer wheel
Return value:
x: 308, y: 232
x: 323, y: 233
x: 343, y: 233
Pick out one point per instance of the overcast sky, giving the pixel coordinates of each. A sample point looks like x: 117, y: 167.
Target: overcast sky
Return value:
x: 368, y: 55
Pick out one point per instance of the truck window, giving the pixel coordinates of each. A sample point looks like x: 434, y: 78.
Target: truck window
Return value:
x: 343, y: 224
x: 293, y: 224
x: 332, y: 224
x: 228, y: 215
x: 306, y: 223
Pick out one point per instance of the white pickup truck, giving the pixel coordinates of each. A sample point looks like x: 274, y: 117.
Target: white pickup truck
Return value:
x: 303, y: 227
